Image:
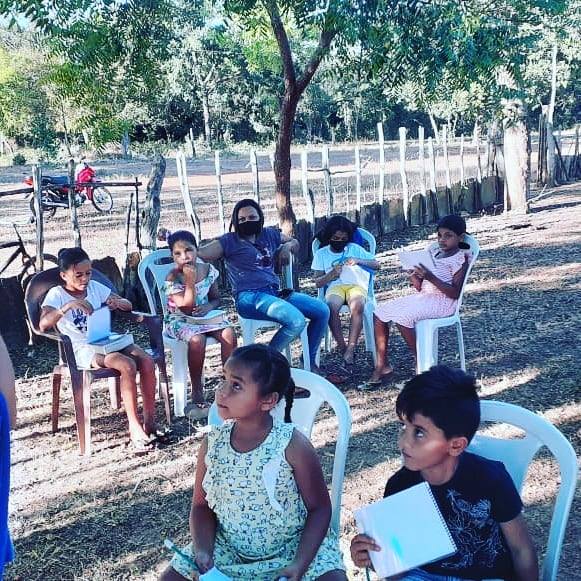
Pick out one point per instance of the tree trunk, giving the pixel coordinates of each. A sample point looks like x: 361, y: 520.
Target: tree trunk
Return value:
x: 516, y: 163
x: 152, y: 207
x: 551, y: 181
x: 282, y: 163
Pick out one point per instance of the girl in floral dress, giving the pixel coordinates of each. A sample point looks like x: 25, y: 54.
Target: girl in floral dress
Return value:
x: 190, y: 289
x: 260, y: 508
x: 437, y: 293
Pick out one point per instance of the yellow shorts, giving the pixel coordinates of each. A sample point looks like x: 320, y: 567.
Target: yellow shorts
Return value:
x: 346, y: 292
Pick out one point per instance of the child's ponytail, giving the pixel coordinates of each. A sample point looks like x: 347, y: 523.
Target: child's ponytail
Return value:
x: 289, y: 396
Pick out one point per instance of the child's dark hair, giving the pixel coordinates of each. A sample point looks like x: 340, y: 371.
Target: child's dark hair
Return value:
x: 181, y: 235
x: 68, y: 257
x: 334, y: 224
x: 447, y: 396
x: 244, y: 204
x: 270, y: 370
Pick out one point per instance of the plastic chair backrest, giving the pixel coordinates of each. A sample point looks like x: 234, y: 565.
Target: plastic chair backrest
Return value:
x: 303, y: 415
x: 146, y: 277
x: 42, y: 282
x: 475, y: 251
x: 517, y: 454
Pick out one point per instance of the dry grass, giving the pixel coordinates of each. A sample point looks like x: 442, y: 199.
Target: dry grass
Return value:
x: 105, y: 517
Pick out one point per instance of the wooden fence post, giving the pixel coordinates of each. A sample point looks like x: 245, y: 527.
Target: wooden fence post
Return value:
x: 220, y: 192
x: 310, y: 203
x: 462, y: 161
x: 358, y: 178
x: 575, y: 162
x: 151, y: 209
x: 36, y: 184
x: 327, y: 178
x: 432, y: 168
x: 381, y: 188
x: 422, y: 160
x: 185, y: 189
x: 72, y: 205
x: 446, y: 157
x: 255, y: 177
x: 402, y: 172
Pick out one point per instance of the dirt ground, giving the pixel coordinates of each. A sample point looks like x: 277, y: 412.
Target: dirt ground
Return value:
x: 105, y: 517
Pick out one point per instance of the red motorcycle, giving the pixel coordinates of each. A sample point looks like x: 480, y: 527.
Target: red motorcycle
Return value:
x: 55, y: 192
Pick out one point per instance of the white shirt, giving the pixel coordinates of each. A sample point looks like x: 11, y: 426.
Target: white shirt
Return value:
x: 325, y: 259
x: 74, y: 322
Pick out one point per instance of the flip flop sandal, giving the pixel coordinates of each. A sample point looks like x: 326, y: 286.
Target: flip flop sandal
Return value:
x: 371, y: 385
x: 197, y: 411
x: 141, y: 447
x: 161, y: 435
x: 336, y: 379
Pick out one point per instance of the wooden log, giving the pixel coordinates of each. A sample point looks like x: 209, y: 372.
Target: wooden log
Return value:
x: 516, y: 168
x: 462, y: 160
x: 36, y: 184
x: 433, y: 187
x: 422, y: 161
x: 72, y: 205
x: 151, y: 210
x: 381, y: 187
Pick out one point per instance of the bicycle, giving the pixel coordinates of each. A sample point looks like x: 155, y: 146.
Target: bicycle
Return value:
x: 29, y: 268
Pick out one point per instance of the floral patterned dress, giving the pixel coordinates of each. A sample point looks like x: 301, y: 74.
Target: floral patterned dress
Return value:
x: 176, y: 324
x: 259, y: 510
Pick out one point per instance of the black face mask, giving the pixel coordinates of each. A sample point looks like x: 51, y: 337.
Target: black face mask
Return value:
x: 249, y: 228
x: 338, y: 245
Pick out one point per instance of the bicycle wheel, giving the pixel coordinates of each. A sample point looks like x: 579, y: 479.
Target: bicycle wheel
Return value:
x: 102, y: 199
x: 47, y: 213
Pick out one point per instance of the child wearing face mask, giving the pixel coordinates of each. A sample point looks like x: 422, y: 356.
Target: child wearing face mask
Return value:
x: 338, y: 251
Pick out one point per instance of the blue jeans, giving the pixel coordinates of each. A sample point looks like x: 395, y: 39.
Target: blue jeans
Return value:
x: 290, y: 313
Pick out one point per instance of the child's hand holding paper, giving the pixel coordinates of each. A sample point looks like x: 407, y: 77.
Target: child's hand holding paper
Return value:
x: 360, y: 547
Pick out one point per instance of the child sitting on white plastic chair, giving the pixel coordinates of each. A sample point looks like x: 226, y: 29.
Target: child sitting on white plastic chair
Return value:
x: 437, y: 293
x: 343, y: 268
x: 191, y: 289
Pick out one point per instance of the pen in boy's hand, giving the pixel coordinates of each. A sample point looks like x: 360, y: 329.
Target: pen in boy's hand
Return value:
x: 172, y: 547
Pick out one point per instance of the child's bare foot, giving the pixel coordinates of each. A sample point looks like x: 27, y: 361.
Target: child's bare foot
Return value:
x: 380, y: 373
x: 349, y: 355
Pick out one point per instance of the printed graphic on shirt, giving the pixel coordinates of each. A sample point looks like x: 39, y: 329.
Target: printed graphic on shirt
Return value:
x: 79, y: 319
x: 477, y: 535
x: 263, y: 256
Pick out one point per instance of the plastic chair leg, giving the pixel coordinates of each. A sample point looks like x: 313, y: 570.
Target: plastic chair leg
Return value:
x: 115, y: 392
x: 56, y: 394
x: 461, y: 346
x: 369, y: 335
x: 179, y: 357
x: 426, y: 347
x: 305, y: 347
x: 82, y: 399
x: 163, y: 383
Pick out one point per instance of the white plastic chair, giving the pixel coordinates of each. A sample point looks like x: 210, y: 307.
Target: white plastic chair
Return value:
x: 179, y: 349
x: 427, y: 330
x: 251, y: 326
x: 369, y: 304
x: 303, y: 415
x: 517, y: 454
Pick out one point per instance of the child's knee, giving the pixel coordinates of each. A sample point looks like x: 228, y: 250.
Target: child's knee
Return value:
x: 228, y: 335
x: 356, y: 307
x: 170, y: 574
x: 146, y: 365
x: 197, y: 342
x: 126, y: 366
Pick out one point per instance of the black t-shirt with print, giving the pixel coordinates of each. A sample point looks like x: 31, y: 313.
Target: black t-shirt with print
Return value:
x: 479, y: 496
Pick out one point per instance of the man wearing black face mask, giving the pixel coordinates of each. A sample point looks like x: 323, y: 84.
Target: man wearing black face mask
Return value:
x: 249, y: 251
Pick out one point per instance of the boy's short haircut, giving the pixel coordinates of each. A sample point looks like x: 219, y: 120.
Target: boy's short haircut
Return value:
x: 446, y: 396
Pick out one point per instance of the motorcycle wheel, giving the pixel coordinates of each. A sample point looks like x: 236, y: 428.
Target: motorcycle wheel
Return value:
x: 47, y: 213
x: 102, y: 199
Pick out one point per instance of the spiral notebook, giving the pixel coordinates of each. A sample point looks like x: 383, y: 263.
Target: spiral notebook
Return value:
x: 409, y: 528
x: 409, y: 259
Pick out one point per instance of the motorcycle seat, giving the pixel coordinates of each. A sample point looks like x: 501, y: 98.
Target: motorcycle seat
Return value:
x: 55, y: 180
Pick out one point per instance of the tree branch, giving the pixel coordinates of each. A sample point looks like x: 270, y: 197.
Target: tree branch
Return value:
x: 283, y: 44
x: 322, y: 49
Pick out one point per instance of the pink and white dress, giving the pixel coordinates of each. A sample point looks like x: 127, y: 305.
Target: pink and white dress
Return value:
x: 429, y: 302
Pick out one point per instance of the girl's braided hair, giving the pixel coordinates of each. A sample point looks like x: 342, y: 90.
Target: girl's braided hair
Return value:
x: 271, y: 371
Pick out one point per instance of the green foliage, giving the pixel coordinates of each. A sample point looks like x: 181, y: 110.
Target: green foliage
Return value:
x: 18, y: 159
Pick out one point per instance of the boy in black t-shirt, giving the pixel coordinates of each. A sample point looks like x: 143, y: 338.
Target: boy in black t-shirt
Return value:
x: 440, y: 413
